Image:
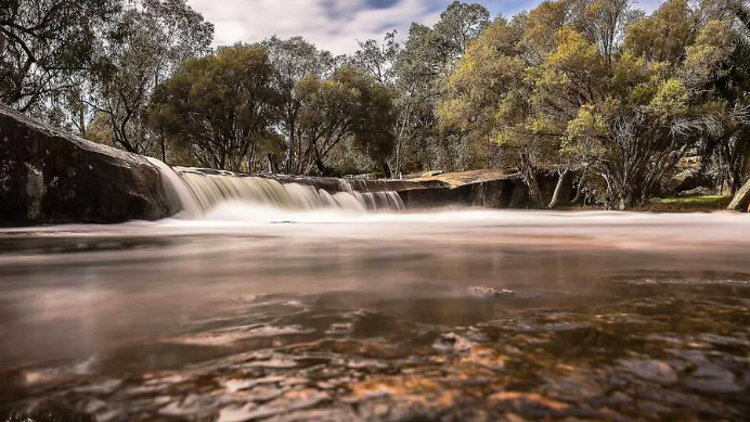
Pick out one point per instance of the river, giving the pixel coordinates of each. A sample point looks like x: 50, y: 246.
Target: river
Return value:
x: 257, y: 314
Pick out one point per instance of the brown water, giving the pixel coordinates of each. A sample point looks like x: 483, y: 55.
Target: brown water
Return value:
x: 460, y: 315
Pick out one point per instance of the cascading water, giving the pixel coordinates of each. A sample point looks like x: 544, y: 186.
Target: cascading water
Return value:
x: 198, y: 191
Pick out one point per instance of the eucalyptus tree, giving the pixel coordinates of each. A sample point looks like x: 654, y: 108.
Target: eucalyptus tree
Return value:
x: 462, y: 23
x: 349, y: 105
x: 147, y: 43
x: 428, y: 56
x: 625, y: 98
x: 293, y: 60
x: 378, y: 59
x: 489, y: 98
x: 729, y: 154
x: 221, y: 107
x: 44, y: 43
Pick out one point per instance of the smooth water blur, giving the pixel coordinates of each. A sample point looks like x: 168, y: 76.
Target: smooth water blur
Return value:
x: 253, y: 313
x: 198, y: 191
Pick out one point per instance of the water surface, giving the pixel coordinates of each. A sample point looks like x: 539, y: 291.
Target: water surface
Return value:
x: 253, y: 314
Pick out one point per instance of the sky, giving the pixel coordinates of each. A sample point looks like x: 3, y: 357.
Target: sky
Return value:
x: 335, y: 25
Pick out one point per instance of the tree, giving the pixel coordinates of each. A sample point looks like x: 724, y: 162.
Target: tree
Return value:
x: 462, y: 23
x: 45, y: 42
x: 349, y: 104
x: 148, y: 42
x: 429, y: 55
x: 620, y: 95
x: 731, y: 80
x: 220, y: 107
x: 489, y: 98
x: 646, y: 109
x: 379, y: 59
x: 293, y: 60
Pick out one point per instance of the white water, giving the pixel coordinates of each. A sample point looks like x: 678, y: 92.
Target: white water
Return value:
x: 179, y: 191
x: 197, y: 193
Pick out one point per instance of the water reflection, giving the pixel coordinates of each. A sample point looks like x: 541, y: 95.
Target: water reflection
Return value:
x: 450, y: 317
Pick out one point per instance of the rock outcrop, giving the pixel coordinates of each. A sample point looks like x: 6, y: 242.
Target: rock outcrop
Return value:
x: 741, y: 201
x: 50, y: 177
x: 486, y: 189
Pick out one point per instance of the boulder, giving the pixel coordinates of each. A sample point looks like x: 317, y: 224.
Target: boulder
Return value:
x: 741, y: 201
x: 486, y: 189
x: 684, y: 177
x: 51, y: 177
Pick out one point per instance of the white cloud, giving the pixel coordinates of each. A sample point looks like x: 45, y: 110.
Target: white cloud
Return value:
x: 335, y: 25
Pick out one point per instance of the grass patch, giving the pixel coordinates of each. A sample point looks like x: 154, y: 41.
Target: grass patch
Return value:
x: 688, y: 204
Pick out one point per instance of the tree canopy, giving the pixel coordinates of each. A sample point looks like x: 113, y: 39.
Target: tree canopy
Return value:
x: 45, y: 42
x: 597, y: 85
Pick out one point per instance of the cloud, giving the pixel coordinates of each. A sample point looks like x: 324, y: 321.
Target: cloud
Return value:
x: 335, y: 25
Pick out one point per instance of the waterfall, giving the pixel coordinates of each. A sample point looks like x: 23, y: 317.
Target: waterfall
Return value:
x: 178, y: 192
x: 197, y: 191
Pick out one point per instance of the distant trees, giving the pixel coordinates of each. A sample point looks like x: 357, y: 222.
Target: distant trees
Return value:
x: 349, y: 104
x: 294, y: 60
x: 595, y: 85
x: 231, y: 109
x: 415, y: 73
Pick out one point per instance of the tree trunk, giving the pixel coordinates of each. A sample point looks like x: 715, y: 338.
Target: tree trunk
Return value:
x: 535, y: 191
x: 319, y: 163
x: 528, y: 173
x: 387, y: 170
x: 579, y: 188
x: 621, y: 197
x: 273, y: 166
x: 558, y: 188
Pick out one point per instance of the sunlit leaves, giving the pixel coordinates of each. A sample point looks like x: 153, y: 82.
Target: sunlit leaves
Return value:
x: 713, y: 46
x: 670, y: 100
x: 594, y: 83
x: 664, y: 35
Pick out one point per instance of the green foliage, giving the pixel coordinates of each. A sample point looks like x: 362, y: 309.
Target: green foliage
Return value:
x: 429, y: 55
x: 663, y: 36
x: 349, y: 104
x: 219, y: 107
x: 145, y: 46
x: 226, y: 108
x: 618, y: 94
x: 294, y: 61
x: 45, y: 43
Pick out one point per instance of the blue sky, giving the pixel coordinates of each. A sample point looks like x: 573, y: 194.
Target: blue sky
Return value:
x: 335, y: 25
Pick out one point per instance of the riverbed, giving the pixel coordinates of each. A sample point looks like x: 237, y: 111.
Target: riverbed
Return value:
x: 255, y: 314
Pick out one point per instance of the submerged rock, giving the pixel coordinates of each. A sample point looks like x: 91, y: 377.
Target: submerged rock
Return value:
x: 51, y: 177
x: 651, y: 370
